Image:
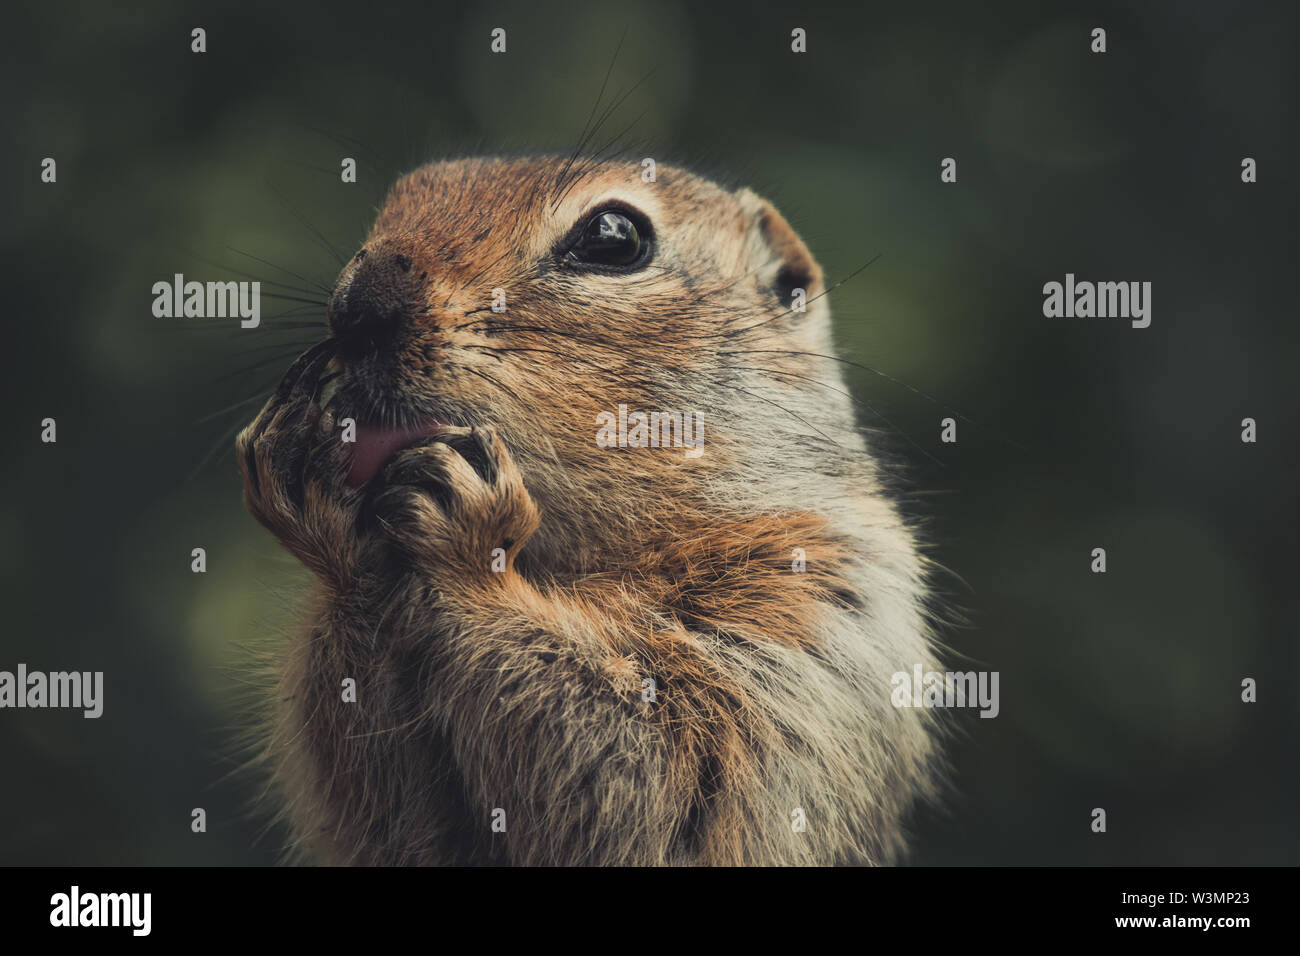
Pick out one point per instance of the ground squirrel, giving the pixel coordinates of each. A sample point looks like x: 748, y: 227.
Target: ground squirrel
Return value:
x: 563, y: 652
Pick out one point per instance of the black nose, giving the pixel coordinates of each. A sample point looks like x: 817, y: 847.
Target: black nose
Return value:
x: 369, y: 312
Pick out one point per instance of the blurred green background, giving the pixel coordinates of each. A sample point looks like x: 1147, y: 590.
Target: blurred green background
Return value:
x: 1118, y: 690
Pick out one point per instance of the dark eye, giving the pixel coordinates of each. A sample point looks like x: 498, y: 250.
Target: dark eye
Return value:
x: 610, y: 238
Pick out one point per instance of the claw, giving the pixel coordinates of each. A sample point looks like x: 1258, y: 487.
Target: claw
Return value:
x: 476, y: 446
x: 302, y: 379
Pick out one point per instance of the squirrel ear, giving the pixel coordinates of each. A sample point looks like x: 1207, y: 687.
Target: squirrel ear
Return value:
x: 782, y: 260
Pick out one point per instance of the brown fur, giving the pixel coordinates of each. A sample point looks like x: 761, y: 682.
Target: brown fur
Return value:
x: 525, y: 690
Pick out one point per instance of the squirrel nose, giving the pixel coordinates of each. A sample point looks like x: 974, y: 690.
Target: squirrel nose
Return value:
x: 367, y: 313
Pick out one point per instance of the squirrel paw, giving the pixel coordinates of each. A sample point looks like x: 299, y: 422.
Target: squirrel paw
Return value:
x: 293, y: 466
x: 456, y: 498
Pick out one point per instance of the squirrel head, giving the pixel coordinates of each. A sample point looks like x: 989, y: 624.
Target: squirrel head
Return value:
x: 545, y: 296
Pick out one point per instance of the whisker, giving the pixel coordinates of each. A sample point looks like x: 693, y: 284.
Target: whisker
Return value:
x: 231, y: 408
x: 244, y: 370
x: 386, y: 170
x: 224, y: 440
x: 619, y: 100
x: 279, y: 348
x: 598, y: 157
x: 316, y: 233
x: 320, y: 303
x: 582, y: 137
x: 234, y: 331
x: 875, y: 371
x: 865, y: 404
x: 226, y: 267
x: 266, y: 262
x: 793, y: 415
x: 732, y: 333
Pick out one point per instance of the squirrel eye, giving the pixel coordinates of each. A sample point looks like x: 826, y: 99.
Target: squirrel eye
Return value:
x: 609, y: 238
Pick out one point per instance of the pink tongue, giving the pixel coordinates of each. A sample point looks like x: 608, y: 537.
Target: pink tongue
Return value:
x: 375, y: 445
